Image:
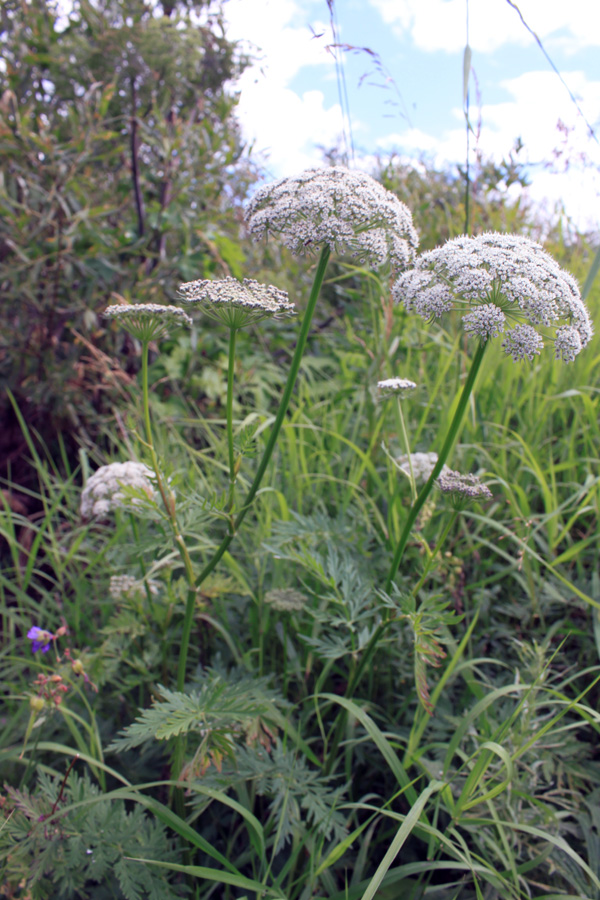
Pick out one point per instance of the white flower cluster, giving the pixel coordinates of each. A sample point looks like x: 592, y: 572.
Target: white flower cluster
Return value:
x: 422, y: 465
x: 463, y: 486
x: 126, y: 586
x: 395, y: 386
x: 347, y: 210
x: 285, y: 599
x: 235, y: 302
x: 494, y: 278
x: 148, y: 321
x: 103, y: 491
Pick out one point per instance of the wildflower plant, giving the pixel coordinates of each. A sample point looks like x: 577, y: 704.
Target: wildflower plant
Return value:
x: 327, y: 210
x: 285, y: 599
x: 245, y: 730
x: 462, y: 487
x: 395, y: 387
x: 421, y: 465
x: 40, y: 639
x: 494, y: 280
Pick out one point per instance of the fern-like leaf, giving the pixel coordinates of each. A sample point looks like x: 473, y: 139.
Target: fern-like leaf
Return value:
x: 219, y: 706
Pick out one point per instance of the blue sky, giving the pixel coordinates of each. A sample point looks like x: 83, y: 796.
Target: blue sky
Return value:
x: 289, y: 101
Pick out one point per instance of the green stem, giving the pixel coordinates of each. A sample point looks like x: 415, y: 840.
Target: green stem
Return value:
x: 283, y: 406
x: 142, y: 565
x: 414, y: 511
x: 413, y: 488
x: 434, y: 553
x: 443, y: 456
x: 169, y: 505
x: 167, y: 500
x: 230, y: 372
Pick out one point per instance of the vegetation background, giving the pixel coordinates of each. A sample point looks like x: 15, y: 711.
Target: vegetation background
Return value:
x: 462, y: 761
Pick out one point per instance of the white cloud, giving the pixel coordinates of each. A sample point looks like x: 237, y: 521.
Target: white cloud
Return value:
x: 538, y: 102
x: 283, y: 125
x: 532, y: 113
x: 286, y: 126
x: 278, y: 32
x: 441, y: 24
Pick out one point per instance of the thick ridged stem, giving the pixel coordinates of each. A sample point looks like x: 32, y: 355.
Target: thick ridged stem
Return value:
x: 443, y: 456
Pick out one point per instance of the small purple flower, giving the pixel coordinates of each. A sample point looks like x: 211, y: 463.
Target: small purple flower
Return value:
x: 41, y: 639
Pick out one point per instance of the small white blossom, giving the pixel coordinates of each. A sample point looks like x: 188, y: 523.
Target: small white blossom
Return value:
x: 496, y: 277
x: 567, y: 343
x: 347, y: 210
x: 104, y: 489
x: 486, y: 321
x: 395, y: 386
x: 422, y: 465
x: 463, y: 487
x: 148, y: 321
x: 126, y: 586
x: 285, y: 599
x: 236, y: 303
x: 522, y: 342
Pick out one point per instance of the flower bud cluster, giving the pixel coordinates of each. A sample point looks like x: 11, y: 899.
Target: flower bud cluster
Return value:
x: 398, y: 387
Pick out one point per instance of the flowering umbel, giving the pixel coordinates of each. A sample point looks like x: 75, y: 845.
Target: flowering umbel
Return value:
x: 104, y: 489
x: 395, y: 387
x: 463, y: 487
x: 147, y: 321
x: 237, y: 302
x: 347, y: 210
x: 496, y: 279
x: 126, y: 587
x: 422, y: 465
x: 285, y: 599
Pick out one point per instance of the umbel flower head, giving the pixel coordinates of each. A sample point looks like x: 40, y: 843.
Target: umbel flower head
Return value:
x: 285, y: 599
x: 236, y: 303
x: 104, y: 489
x: 126, y: 587
x: 463, y: 487
x: 395, y: 387
x: 147, y: 321
x: 499, y: 281
x: 347, y: 210
x: 422, y: 464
